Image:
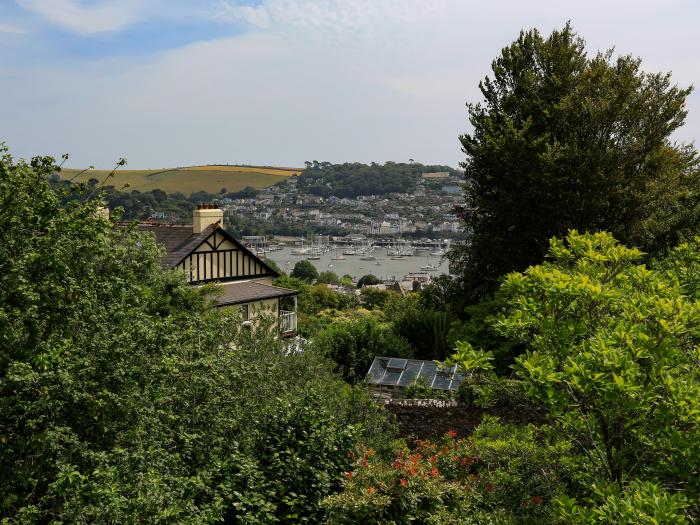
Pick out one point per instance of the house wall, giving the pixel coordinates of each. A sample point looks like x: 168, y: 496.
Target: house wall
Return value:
x: 219, y: 258
x: 257, y: 308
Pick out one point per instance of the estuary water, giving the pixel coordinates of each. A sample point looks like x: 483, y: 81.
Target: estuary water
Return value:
x: 383, y: 267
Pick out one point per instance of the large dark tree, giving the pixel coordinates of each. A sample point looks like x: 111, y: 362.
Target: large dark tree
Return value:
x: 565, y: 140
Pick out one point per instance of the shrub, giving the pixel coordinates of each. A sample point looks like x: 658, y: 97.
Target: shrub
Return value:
x: 502, y: 474
x: 639, y: 503
x: 305, y: 271
x: 354, y: 343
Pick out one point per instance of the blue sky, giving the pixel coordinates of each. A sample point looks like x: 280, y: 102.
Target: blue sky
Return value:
x: 176, y: 82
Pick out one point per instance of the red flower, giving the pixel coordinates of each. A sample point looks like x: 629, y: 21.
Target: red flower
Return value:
x: 412, y: 471
x: 364, y: 462
x: 452, y: 433
x: 434, y: 472
x: 489, y: 487
x: 371, y: 490
x: 432, y: 459
x: 466, y: 461
x: 348, y: 474
x: 403, y: 482
x: 537, y: 500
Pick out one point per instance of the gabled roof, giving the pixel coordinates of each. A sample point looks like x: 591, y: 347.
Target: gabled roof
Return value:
x: 179, y: 242
x: 248, y: 291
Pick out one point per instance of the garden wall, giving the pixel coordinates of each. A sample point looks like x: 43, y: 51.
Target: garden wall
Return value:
x: 430, y: 418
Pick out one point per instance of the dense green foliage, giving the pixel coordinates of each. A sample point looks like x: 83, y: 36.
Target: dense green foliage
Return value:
x: 327, y: 277
x: 501, y: 474
x: 367, y: 279
x: 611, y: 352
x: 425, y: 329
x: 305, y: 271
x: 354, y: 343
x: 354, y: 179
x: 125, y: 397
x: 565, y: 140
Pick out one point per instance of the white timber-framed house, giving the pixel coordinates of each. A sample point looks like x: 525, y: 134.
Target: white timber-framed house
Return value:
x: 206, y: 253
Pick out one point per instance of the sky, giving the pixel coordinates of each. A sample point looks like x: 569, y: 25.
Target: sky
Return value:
x: 277, y: 82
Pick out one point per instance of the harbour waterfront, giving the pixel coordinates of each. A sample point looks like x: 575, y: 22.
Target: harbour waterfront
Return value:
x: 383, y: 267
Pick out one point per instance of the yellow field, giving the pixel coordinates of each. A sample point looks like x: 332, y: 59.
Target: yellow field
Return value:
x: 248, y: 169
x: 188, y: 180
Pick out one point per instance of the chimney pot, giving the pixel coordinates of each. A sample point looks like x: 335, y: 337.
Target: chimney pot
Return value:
x: 205, y: 215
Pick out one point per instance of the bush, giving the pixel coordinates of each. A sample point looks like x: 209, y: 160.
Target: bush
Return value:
x: 502, y: 474
x: 327, y: 278
x: 305, y: 271
x: 420, y: 389
x: 639, y: 503
x: 354, y: 343
x: 367, y: 279
x: 373, y: 298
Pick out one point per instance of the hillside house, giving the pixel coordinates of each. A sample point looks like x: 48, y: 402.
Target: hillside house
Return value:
x: 206, y: 253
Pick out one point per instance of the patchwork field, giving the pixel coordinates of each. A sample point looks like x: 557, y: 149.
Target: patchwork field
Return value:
x: 188, y: 179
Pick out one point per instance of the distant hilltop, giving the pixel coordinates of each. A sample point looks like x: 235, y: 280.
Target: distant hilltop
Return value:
x: 187, y: 179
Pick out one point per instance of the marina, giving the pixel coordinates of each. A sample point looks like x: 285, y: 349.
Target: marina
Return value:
x: 378, y: 262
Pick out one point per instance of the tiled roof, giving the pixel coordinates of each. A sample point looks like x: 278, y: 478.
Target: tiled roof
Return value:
x: 247, y: 291
x: 178, y: 240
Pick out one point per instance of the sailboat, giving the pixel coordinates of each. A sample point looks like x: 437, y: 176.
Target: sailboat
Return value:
x: 337, y: 256
x: 429, y: 267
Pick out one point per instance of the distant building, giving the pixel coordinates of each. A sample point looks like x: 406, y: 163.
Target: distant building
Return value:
x: 436, y: 175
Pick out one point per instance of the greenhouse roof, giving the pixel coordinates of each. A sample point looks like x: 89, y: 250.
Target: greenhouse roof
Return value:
x: 392, y: 371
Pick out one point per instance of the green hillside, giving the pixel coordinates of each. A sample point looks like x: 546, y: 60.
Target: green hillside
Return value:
x: 188, y: 179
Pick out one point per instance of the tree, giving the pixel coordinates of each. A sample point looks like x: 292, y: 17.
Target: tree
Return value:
x: 121, y: 398
x: 305, y: 271
x: 368, y: 279
x: 611, y: 351
x: 354, y: 343
x: 563, y: 140
x: 373, y: 298
x: 272, y: 264
x: 328, y: 278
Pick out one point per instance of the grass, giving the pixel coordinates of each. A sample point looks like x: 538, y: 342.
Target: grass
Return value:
x: 188, y: 179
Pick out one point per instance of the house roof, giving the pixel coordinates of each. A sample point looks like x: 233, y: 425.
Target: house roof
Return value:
x: 247, y: 291
x: 178, y: 240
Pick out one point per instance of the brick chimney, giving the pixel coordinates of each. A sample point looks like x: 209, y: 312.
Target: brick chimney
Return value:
x: 206, y: 215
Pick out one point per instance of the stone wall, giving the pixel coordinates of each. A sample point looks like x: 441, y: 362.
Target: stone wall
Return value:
x: 432, y: 418
x: 427, y: 418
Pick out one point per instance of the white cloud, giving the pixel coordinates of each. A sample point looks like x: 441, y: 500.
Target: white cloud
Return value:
x: 329, y: 80
x: 83, y: 18
x: 309, y: 17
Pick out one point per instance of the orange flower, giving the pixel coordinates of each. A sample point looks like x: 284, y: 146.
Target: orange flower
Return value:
x: 537, y: 500
x: 364, y: 462
x: 412, y: 471
x: 452, y: 433
x: 466, y: 461
x: 371, y: 490
x: 434, y: 472
x: 403, y: 482
x: 414, y: 458
x: 432, y: 459
x: 348, y: 474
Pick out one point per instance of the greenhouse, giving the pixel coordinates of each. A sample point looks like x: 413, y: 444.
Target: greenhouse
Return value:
x: 390, y: 373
